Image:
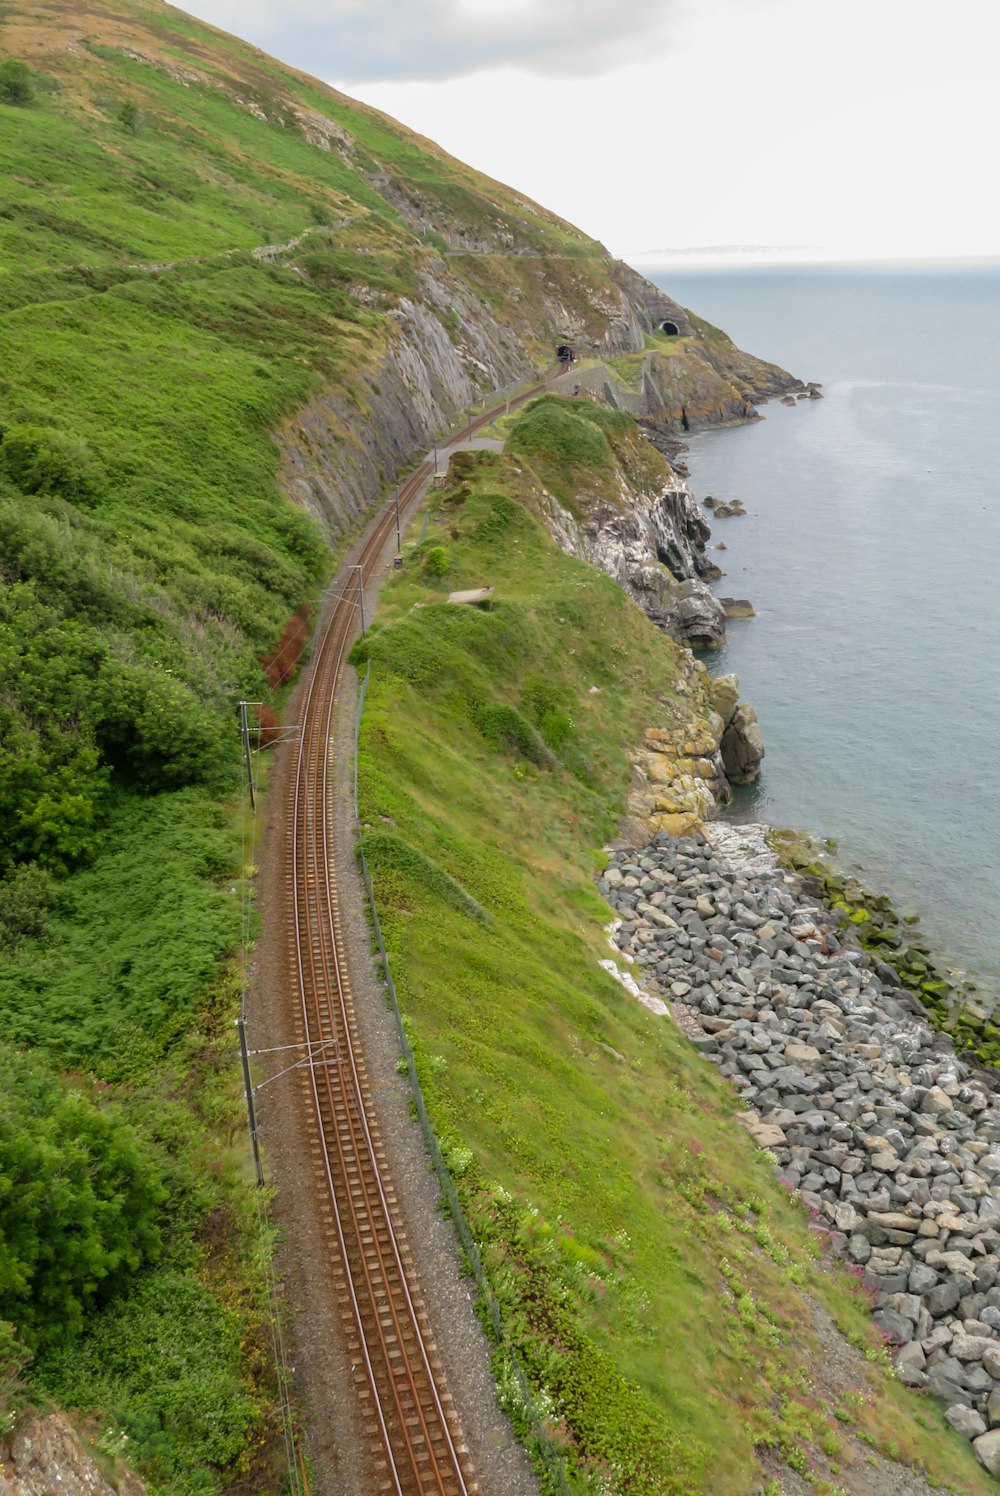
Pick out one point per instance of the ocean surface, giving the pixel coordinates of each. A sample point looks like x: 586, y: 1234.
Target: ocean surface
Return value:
x: 871, y: 551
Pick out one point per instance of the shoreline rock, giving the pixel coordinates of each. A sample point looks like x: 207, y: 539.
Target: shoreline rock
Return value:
x: 887, y: 1136
x: 683, y: 771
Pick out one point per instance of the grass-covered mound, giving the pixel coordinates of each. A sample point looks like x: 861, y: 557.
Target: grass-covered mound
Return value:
x: 578, y: 444
x: 652, y: 1274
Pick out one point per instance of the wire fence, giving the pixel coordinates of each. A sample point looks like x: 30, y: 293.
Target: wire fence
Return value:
x: 297, y: 1479
x: 546, y: 1448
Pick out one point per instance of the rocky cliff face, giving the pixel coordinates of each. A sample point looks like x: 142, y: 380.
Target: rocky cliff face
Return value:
x: 653, y: 544
x: 684, y: 768
x: 481, y: 322
x: 45, y: 1455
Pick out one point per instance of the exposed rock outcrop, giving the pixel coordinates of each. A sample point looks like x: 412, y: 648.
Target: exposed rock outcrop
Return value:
x: 45, y: 1455
x: 680, y: 771
x: 741, y: 744
x: 653, y: 544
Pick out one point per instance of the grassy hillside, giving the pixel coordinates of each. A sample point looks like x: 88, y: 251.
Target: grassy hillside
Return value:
x: 656, y: 1280
x: 153, y: 370
x: 149, y: 568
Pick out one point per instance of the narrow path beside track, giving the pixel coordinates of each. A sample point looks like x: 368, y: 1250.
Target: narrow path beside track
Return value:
x: 403, y: 1425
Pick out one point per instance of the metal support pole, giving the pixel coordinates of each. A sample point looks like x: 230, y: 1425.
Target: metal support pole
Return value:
x: 399, y: 541
x: 251, y: 1110
x: 245, y: 731
x: 361, y: 596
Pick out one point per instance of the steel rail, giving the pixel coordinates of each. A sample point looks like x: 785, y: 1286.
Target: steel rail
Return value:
x: 417, y: 1447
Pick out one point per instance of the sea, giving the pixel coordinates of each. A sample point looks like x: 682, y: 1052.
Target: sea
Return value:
x: 871, y: 552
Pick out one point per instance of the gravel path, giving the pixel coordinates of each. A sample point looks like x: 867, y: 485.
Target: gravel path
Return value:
x: 321, y: 1374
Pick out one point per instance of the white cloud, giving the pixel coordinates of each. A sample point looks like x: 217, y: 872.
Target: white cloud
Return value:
x: 848, y: 125
x: 861, y: 127
x: 432, y: 39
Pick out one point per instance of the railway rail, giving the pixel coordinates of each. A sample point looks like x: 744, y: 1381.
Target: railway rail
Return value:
x: 415, y: 1443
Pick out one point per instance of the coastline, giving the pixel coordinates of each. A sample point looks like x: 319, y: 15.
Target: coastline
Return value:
x: 890, y: 1140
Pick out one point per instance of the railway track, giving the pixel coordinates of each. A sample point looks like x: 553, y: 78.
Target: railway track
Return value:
x: 415, y: 1444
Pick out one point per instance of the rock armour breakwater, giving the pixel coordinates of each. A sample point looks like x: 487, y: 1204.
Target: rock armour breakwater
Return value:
x: 890, y: 1138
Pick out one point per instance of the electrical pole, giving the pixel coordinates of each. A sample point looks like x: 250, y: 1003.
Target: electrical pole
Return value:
x: 245, y: 731
x: 399, y: 542
x: 361, y: 596
x: 251, y: 1110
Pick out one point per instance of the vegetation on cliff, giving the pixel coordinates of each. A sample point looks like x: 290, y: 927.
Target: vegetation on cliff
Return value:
x: 655, y: 1280
x: 195, y: 242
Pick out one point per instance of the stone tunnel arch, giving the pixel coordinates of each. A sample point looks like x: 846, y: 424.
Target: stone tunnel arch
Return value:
x: 670, y: 328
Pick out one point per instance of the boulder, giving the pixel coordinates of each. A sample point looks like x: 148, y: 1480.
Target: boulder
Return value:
x: 965, y: 1421
x: 699, y: 616
x: 987, y: 1448
x: 742, y: 746
x: 725, y: 696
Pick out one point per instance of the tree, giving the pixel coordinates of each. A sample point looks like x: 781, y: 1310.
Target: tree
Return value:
x: 15, y: 82
x: 128, y: 117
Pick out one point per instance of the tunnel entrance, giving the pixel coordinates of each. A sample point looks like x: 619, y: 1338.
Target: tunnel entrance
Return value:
x: 670, y: 328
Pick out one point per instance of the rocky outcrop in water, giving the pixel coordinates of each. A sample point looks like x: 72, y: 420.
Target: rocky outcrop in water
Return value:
x: 889, y: 1139
x: 680, y: 776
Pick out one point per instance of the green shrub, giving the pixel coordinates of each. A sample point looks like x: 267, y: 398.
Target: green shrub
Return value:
x: 387, y: 853
x: 166, y: 1359
x: 436, y: 561
x: 42, y: 460
x: 26, y: 896
x: 503, y: 727
x: 79, y: 1201
x: 14, y: 1357
x: 15, y: 82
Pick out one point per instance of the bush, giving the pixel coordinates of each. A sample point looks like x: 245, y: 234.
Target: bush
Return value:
x: 15, y: 82
x: 78, y: 1203
x: 436, y: 561
x: 42, y: 460
x: 166, y: 1359
x: 503, y: 727
x: 26, y: 897
x: 128, y: 117
x: 14, y: 1357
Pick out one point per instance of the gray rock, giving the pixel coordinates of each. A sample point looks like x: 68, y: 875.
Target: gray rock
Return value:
x: 742, y: 746
x: 965, y: 1421
x: 942, y: 1299
x: 987, y: 1448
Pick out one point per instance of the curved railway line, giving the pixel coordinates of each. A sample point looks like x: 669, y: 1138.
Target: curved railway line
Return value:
x: 415, y: 1444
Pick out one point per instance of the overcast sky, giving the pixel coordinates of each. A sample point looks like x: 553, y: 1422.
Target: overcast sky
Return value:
x: 813, y: 127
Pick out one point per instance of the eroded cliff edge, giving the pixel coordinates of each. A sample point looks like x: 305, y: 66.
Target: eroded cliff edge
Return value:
x: 457, y: 340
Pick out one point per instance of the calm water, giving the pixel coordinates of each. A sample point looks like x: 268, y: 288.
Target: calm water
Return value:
x: 871, y: 551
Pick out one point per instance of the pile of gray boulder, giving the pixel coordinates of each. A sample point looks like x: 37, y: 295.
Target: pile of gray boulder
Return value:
x: 885, y: 1133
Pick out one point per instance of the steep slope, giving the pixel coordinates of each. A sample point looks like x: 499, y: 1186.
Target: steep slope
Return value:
x: 232, y: 305
x: 676, y: 1314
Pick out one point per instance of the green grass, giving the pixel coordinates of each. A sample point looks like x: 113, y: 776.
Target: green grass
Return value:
x: 113, y: 983
x: 649, y: 1267
x: 149, y: 564
x: 580, y: 447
